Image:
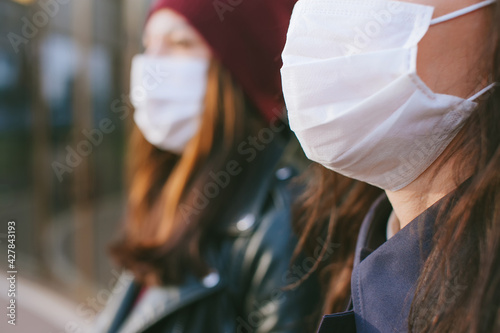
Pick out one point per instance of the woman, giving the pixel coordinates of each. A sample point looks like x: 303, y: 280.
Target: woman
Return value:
x: 208, y: 238
x: 401, y: 95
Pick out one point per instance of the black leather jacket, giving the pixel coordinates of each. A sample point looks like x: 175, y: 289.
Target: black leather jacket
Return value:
x: 251, y: 265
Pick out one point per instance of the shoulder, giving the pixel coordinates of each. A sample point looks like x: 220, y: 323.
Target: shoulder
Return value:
x: 274, y: 227
x: 261, y: 264
x: 270, y: 214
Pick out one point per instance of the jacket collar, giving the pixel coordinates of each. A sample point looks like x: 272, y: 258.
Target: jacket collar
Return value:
x: 157, y: 302
x: 124, y: 292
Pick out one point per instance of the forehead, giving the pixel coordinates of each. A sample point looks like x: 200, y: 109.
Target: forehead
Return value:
x: 165, y: 21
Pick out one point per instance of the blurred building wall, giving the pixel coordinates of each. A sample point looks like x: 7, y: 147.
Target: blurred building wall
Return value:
x: 64, y: 111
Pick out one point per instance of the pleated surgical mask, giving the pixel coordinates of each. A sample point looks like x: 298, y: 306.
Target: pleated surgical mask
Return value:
x: 354, y: 99
x: 168, y: 95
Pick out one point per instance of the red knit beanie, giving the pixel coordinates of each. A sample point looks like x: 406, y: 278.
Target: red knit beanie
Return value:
x: 247, y: 36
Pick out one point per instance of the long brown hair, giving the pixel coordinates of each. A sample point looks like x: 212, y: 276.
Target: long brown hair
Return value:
x: 167, y: 225
x: 332, y: 208
x: 459, y: 287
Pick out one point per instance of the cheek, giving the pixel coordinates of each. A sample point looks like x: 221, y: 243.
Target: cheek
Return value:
x: 197, y: 51
x: 204, y: 52
x: 442, y: 7
x: 451, y: 55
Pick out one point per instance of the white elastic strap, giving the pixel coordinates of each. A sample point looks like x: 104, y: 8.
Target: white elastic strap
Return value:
x: 462, y: 12
x: 483, y: 91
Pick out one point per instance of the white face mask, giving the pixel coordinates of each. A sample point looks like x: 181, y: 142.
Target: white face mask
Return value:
x: 168, y: 95
x: 354, y: 98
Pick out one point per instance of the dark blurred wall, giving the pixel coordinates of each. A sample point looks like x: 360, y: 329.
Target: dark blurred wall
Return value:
x: 64, y: 111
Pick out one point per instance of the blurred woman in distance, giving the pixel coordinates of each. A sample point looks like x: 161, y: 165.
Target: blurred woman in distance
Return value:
x: 208, y: 240
x: 401, y: 95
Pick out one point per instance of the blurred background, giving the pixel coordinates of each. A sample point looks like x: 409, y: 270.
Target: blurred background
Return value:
x: 64, y: 111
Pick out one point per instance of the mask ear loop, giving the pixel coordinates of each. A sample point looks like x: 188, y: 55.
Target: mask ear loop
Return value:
x: 483, y: 91
x: 462, y: 12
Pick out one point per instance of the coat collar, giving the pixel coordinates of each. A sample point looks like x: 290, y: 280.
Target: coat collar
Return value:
x: 386, y: 273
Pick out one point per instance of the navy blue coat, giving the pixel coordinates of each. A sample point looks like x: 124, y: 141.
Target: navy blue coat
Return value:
x: 385, y: 273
